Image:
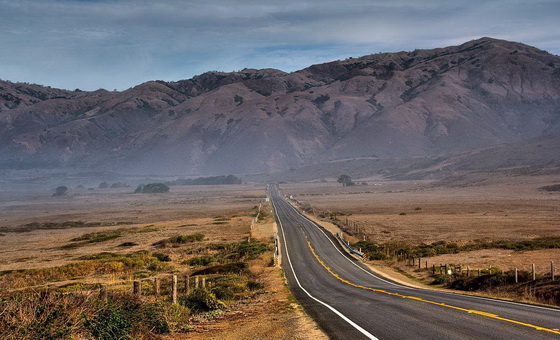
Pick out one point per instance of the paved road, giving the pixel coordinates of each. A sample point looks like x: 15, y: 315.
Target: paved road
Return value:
x: 350, y: 302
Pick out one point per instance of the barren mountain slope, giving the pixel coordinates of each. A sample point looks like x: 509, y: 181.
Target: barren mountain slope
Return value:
x: 393, y: 105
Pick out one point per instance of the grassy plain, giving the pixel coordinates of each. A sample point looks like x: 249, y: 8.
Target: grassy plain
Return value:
x: 112, y: 236
x: 416, y: 212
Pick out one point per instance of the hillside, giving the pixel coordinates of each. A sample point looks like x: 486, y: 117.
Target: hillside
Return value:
x: 390, y: 108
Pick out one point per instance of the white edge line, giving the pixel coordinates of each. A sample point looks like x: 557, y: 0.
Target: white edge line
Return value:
x: 352, y: 323
x: 407, y: 287
x: 346, y: 257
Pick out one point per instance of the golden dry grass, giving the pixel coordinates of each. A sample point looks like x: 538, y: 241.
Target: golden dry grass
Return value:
x: 508, y: 209
x: 222, y: 213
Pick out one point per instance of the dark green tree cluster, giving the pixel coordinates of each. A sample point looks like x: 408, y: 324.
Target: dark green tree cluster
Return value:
x: 214, y: 180
x: 345, y: 180
x: 152, y: 188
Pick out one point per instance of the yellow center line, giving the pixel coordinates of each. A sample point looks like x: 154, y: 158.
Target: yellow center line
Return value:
x: 470, y: 311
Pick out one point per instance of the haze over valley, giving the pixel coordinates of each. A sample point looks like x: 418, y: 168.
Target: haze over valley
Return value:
x: 416, y: 114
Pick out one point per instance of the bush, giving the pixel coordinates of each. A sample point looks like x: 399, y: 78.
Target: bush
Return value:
x: 128, y: 244
x: 253, y: 285
x: 223, y: 293
x: 200, y: 261
x: 114, y: 320
x: 202, y: 300
x: 60, y: 191
x: 162, y: 257
x: 180, y: 239
x: 57, y: 315
x: 152, y: 188
x: 377, y: 256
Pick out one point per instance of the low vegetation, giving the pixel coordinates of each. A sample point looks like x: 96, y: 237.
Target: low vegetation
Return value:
x: 57, y: 315
x: 152, y: 188
x: 179, y: 240
x: 444, y: 247
x: 214, y: 180
x: 554, y: 187
x: 78, y: 312
x: 58, y: 225
x: 98, y: 264
x: 223, y: 253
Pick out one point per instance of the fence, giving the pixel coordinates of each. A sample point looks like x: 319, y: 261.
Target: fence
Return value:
x: 171, y: 285
x: 448, y: 269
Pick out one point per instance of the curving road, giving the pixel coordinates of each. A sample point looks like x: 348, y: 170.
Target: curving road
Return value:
x: 350, y: 302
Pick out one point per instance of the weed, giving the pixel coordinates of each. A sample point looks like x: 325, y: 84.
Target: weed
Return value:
x: 180, y: 239
x: 128, y: 244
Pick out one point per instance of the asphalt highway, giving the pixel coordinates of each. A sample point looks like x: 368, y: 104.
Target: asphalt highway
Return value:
x: 348, y: 301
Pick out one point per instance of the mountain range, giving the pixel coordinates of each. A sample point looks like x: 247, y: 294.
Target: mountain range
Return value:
x: 485, y: 104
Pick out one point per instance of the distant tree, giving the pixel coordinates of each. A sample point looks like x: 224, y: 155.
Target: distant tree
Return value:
x: 103, y: 185
x: 345, y: 180
x: 60, y: 191
x: 152, y: 188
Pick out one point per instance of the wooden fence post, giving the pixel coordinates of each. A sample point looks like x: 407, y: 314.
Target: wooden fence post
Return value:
x: 174, y: 289
x: 516, y: 275
x: 533, y: 271
x: 103, y: 293
x: 137, y: 288
x: 187, y: 284
x: 156, y: 286
x: 433, y: 269
x: 196, y: 282
x: 552, y: 270
x: 419, y: 263
x: 203, y: 282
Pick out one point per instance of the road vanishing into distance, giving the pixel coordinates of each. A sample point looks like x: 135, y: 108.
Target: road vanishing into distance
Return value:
x: 348, y: 301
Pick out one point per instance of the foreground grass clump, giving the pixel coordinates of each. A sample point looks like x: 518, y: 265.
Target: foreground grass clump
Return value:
x: 55, y: 315
x: 179, y: 239
x: 98, y: 264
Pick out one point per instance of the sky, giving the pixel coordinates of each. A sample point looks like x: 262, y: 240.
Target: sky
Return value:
x: 117, y: 44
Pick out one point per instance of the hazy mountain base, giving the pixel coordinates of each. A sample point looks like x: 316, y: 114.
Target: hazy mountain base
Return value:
x: 384, y: 106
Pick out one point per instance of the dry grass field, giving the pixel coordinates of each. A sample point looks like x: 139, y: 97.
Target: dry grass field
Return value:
x: 145, y: 219
x: 90, y: 237
x: 414, y: 212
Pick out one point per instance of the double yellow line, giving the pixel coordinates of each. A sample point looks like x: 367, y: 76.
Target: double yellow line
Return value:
x: 470, y: 311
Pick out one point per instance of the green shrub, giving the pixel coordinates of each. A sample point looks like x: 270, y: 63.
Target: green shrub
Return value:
x: 162, y: 257
x: 114, y: 320
x: 223, y: 293
x: 202, y: 300
x: 254, y: 285
x: 198, y: 261
x: 180, y: 239
x: 377, y: 256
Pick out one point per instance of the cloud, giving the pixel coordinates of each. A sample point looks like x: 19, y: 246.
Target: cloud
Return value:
x: 120, y: 43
